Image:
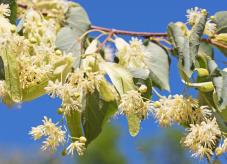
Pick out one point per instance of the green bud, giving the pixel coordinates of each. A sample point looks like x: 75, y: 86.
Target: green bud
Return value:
x: 33, y: 40
x: 13, y: 28
x: 157, y: 104
x: 202, y: 72
x: 207, y: 87
x: 60, y: 111
x: 143, y: 89
x: 218, y: 151
x: 58, y: 52
x: 82, y: 139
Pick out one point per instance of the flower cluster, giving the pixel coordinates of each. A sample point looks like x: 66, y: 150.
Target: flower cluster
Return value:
x: 78, y: 146
x: 52, y: 9
x: 193, y: 16
x: 179, y: 109
x: 79, y: 83
x: 131, y: 54
x: 132, y: 103
x: 55, y: 136
x: 202, y: 138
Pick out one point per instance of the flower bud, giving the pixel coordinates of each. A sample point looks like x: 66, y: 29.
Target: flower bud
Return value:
x: 204, y: 11
x: 13, y: 28
x: 60, y: 111
x: 143, y: 89
x: 33, y: 40
x: 157, y: 104
x: 82, y: 139
x: 202, y: 72
x: 218, y: 151
x: 207, y: 87
x: 212, y: 18
x: 58, y: 52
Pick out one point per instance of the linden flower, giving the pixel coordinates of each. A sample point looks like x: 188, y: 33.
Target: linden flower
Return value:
x: 4, y: 10
x: 210, y: 28
x: 193, y: 15
x: 131, y: 55
x: 178, y: 109
x: 53, y: 88
x: 76, y: 146
x: 55, y: 136
x: 202, y: 138
x: 132, y: 102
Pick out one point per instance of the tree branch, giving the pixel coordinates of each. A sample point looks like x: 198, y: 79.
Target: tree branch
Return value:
x: 139, y: 34
x: 131, y: 33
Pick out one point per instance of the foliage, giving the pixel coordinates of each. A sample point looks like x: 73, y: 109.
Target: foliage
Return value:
x: 50, y: 51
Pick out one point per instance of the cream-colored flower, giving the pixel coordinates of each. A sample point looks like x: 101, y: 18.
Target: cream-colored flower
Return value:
x: 210, y: 28
x: 132, y: 103
x: 131, y: 54
x: 4, y: 10
x: 179, y: 109
x: 55, y: 136
x: 54, y: 88
x: 76, y: 146
x: 193, y: 15
x: 202, y: 138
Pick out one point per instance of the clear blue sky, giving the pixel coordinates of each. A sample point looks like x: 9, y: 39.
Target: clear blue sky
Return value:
x: 143, y: 15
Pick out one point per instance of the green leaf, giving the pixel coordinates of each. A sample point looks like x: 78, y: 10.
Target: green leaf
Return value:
x: 96, y: 113
x: 157, y: 61
x: 133, y: 124
x: 181, y: 44
x: 120, y: 77
x: 74, y: 124
x: 68, y: 38
x: 224, y: 91
x: 12, y: 80
x: 13, y: 9
x: 78, y: 19
x: 67, y: 41
x: 221, y: 21
x: 216, y: 77
x: 2, y: 72
x: 195, y: 35
x: 205, y: 51
x: 139, y: 73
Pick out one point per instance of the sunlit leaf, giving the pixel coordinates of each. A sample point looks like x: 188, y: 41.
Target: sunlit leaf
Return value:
x: 120, y: 77
x: 157, y: 60
x: 96, y: 113
x: 221, y: 21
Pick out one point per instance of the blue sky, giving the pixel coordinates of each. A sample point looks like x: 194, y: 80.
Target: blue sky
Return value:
x: 143, y: 15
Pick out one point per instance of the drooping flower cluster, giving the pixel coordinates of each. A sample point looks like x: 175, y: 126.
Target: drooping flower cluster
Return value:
x: 53, y: 133
x: 180, y: 110
x: 193, y: 16
x: 51, y: 9
x: 4, y: 10
x: 79, y: 83
x: 202, y: 138
x: 132, y: 103
x: 55, y: 137
x: 78, y: 146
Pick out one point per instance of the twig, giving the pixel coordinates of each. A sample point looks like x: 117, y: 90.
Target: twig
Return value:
x: 131, y: 33
x: 106, y: 40
x: 141, y: 34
